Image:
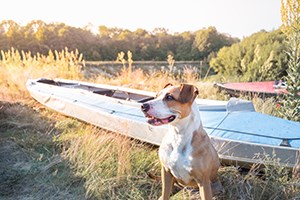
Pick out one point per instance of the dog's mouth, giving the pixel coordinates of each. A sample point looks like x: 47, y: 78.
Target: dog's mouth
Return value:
x: 157, y: 121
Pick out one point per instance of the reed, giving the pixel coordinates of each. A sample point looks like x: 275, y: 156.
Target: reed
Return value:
x: 18, y: 66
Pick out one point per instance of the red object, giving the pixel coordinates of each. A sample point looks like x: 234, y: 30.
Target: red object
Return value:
x: 266, y: 88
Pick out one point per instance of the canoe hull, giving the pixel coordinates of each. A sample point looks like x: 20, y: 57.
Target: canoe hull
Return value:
x: 125, y: 117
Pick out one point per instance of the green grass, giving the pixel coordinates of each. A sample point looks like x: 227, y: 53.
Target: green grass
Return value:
x: 31, y: 166
x: 44, y: 155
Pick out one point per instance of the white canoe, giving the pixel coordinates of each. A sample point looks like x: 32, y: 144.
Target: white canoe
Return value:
x: 240, y: 135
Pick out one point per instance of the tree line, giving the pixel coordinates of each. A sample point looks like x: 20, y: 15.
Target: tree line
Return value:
x: 260, y: 56
x: 40, y: 37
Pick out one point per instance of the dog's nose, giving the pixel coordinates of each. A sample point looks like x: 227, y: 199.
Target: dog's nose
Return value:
x: 145, y: 107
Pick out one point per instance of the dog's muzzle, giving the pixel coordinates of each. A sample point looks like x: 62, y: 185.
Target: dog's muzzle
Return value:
x: 154, y: 120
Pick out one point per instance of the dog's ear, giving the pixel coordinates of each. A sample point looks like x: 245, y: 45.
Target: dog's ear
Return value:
x: 188, y: 93
x: 168, y: 84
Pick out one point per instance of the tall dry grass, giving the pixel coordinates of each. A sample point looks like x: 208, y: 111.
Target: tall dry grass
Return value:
x: 18, y: 66
x: 112, y: 166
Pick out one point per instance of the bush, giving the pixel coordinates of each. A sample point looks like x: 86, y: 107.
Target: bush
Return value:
x: 290, y: 104
x: 256, y: 58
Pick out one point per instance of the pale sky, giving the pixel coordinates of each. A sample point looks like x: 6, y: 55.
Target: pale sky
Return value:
x: 239, y: 18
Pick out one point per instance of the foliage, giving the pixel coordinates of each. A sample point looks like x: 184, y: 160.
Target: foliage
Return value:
x: 290, y: 108
x: 290, y: 13
x: 209, y: 40
x: 256, y: 58
x: 40, y: 37
x: 290, y: 104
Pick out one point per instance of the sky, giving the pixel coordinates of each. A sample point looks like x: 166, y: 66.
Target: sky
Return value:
x: 238, y: 18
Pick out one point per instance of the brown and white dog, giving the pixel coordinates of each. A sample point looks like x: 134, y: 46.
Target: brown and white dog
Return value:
x: 186, y: 153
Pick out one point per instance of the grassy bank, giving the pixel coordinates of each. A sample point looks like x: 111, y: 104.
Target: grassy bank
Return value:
x: 44, y: 155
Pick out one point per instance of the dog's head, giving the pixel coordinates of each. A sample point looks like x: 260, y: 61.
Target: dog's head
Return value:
x: 171, y: 104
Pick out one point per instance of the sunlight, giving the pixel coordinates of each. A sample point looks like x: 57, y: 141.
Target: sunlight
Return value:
x: 234, y: 17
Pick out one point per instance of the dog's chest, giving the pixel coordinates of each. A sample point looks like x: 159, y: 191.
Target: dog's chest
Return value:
x: 175, y: 152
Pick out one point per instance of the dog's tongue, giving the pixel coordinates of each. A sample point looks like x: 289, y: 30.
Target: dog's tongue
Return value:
x: 157, y: 122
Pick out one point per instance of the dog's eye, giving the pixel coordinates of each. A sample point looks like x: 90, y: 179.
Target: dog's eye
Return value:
x: 169, y: 97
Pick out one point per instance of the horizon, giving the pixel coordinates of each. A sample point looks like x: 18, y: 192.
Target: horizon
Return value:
x: 236, y: 18
x: 95, y: 30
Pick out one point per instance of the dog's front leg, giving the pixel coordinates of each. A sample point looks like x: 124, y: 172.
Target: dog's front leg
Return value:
x: 205, y: 189
x: 167, y: 183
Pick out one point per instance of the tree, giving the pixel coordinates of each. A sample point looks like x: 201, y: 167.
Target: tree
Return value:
x: 209, y: 40
x: 12, y: 34
x: 40, y: 37
x: 184, y: 44
x: 290, y: 16
x: 290, y: 13
x: 256, y: 58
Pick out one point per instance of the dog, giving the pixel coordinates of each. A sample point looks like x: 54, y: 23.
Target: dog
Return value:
x: 186, y: 153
